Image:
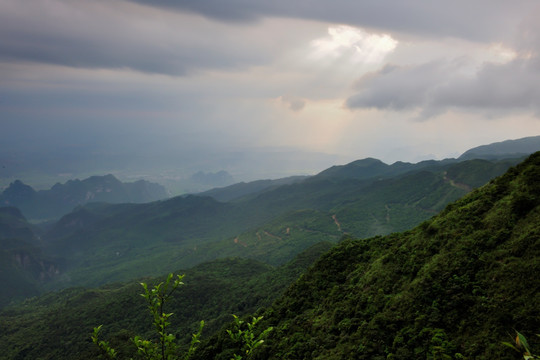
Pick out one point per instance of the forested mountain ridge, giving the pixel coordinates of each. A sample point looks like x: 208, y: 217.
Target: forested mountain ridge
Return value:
x: 504, y: 149
x: 239, y: 190
x: 374, y: 168
x: 454, y: 287
x: 62, y: 198
x: 103, y: 242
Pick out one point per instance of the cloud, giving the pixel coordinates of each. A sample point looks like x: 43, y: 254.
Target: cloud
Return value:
x: 119, y: 35
x: 505, y: 79
x: 456, y: 18
x: 438, y: 86
x: 355, y: 43
x: 202, y: 72
x: 293, y: 103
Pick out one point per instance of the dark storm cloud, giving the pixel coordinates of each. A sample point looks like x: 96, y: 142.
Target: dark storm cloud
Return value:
x: 121, y: 34
x: 437, y: 86
x: 112, y: 35
x: 481, y: 19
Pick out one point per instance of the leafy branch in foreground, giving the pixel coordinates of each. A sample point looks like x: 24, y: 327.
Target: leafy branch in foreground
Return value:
x: 103, y: 345
x: 246, y: 335
x: 522, y: 346
x: 165, y: 348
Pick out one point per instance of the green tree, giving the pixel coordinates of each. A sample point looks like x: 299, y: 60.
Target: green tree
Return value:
x: 165, y: 348
x: 245, y: 334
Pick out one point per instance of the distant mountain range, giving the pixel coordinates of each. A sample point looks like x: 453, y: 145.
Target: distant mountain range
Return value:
x: 267, y: 220
x: 370, y: 168
x: 456, y: 285
x: 62, y: 198
x: 101, y: 242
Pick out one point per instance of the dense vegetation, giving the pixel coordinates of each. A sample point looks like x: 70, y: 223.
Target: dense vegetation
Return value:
x: 452, y: 288
x: 58, y: 325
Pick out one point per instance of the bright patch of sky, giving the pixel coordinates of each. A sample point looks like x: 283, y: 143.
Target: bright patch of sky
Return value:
x: 355, y: 43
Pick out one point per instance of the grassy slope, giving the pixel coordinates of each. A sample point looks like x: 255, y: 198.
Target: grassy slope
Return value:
x: 455, y: 285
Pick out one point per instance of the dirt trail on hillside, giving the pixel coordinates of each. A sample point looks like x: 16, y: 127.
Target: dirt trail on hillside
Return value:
x: 337, y: 222
x: 456, y: 184
x: 272, y: 235
x: 237, y: 241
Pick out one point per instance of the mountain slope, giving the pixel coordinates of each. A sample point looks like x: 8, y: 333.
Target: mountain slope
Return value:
x: 453, y: 287
x: 58, y: 325
x: 239, y: 190
x: 370, y: 168
x: 24, y: 269
x: 102, y: 242
x: 504, y: 149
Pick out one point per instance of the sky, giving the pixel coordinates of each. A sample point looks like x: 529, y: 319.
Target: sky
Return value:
x: 310, y: 79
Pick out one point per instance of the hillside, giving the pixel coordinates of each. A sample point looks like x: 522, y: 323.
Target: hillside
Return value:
x: 103, y: 242
x: 504, y: 149
x: 58, y: 325
x: 454, y: 287
x: 24, y: 269
x: 62, y: 198
x: 373, y: 168
x: 242, y: 189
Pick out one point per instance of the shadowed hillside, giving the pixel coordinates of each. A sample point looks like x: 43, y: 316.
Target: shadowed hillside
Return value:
x: 58, y: 325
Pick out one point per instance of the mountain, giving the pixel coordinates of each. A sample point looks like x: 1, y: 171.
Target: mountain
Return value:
x: 370, y: 168
x: 270, y: 221
x: 242, y: 189
x: 454, y: 287
x: 116, y: 242
x: 504, y: 149
x: 24, y: 269
x: 14, y: 225
x: 62, y: 198
x: 58, y: 325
